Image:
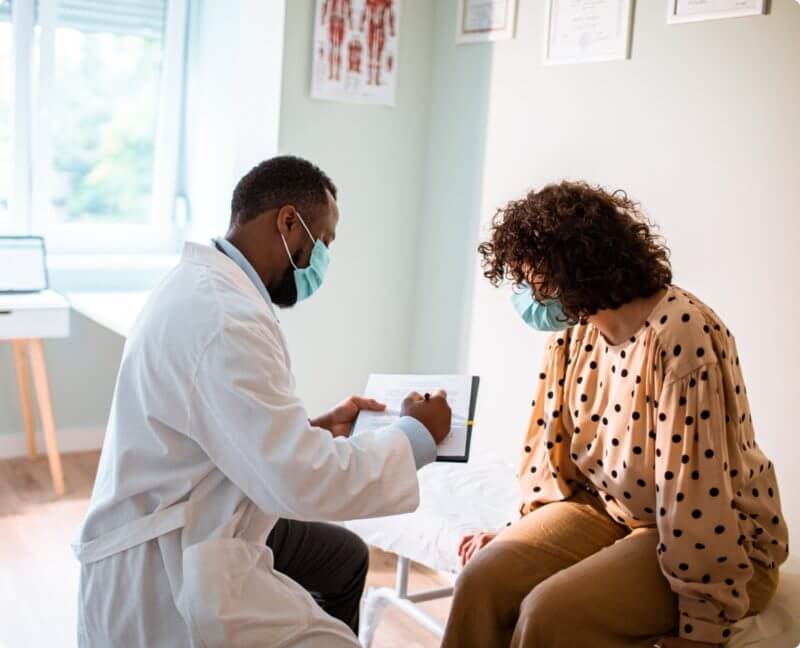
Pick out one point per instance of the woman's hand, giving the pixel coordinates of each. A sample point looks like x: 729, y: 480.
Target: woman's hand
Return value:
x: 339, y: 421
x: 677, y: 642
x: 472, y: 543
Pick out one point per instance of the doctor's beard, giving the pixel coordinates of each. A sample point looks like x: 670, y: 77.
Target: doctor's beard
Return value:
x: 284, y: 294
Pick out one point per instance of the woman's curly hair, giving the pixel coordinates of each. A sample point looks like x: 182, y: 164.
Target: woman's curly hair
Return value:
x: 592, y: 249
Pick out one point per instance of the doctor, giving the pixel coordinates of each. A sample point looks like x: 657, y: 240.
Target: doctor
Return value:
x: 209, y: 451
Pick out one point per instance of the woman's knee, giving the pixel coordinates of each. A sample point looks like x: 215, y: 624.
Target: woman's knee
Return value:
x: 546, y: 612
x: 487, y: 581
x: 478, y: 576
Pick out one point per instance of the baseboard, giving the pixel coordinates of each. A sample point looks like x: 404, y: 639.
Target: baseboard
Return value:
x: 70, y: 439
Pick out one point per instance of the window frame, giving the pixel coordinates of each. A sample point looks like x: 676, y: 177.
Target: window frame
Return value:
x: 32, y: 147
x: 22, y: 25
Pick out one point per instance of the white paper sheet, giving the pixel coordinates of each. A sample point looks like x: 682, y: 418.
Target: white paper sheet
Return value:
x: 391, y: 389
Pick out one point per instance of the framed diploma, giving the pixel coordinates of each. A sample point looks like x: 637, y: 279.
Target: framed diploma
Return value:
x: 485, y: 20
x: 682, y: 11
x: 586, y: 31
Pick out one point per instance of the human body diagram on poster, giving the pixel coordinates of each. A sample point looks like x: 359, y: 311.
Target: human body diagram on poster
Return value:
x: 355, y: 50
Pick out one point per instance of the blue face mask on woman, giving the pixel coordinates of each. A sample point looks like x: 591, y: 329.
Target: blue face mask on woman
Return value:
x: 308, y: 280
x: 546, y: 315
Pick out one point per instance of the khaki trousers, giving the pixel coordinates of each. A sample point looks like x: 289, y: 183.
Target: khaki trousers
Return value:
x: 567, y: 575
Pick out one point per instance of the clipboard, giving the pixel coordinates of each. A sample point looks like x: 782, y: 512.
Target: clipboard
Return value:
x: 462, y: 395
x: 473, y: 401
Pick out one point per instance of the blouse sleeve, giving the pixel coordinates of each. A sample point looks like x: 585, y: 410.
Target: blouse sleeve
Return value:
x: 700, y: 550
x: 547, y: 473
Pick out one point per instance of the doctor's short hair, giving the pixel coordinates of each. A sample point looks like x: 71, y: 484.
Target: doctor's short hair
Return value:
x: 277, y: 182
x: 594, y: 249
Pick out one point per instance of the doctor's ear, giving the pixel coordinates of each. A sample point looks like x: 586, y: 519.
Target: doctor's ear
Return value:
x: 286, y: 219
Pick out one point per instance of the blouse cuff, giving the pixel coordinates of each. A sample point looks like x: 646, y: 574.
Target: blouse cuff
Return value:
x: 702, y: 630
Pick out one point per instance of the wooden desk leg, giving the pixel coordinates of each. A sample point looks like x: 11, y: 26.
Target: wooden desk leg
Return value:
x: 26, y: 405
x: 42, y: 387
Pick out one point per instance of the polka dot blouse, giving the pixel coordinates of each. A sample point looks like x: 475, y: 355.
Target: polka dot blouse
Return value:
x: 659, y: 426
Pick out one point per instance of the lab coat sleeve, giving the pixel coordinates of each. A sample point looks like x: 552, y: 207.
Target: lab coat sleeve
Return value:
x: 245, y: 415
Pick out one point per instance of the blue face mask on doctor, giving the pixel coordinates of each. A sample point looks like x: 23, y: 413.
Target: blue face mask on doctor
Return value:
x: 308, y: 280
x: 546, y: 315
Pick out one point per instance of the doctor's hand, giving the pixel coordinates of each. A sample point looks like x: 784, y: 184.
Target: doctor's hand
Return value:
x: 434, y: 413
x: 339, y: 421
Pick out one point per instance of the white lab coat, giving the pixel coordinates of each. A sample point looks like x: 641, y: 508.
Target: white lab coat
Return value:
x: 207, y: 445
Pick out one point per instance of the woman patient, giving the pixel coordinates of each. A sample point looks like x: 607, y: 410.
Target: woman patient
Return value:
x: 649, y: 514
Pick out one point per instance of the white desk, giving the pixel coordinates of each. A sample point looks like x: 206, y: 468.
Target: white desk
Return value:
x: 24, y: 320
x: 115, y: 311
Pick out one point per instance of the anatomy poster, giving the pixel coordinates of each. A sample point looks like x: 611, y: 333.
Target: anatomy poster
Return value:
x: 355, y: 51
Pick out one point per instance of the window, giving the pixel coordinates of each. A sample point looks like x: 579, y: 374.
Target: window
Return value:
x: 103, y: 109
x: 5, y: 112
x: 105, y: 102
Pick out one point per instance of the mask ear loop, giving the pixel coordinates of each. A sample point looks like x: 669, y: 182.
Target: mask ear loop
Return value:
x: 285, y: 245
x: 289, y: 254
x: 308, y: 231
x: 519, y: 289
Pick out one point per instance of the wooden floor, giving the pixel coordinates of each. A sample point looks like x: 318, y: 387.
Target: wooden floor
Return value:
x: 38, y: 574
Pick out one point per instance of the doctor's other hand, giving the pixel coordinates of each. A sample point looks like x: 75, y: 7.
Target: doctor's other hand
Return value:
x: 472, y: 543
x: 339, y: 421
x: 434, y: 413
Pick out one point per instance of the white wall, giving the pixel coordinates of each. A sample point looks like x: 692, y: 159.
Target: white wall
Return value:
x: 701, y: 125
x: 234, y: 74
x: 451, y: 208
x: 361, y: 320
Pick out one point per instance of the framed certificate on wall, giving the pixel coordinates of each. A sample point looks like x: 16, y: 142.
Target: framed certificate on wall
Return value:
x: 682, y: 11
x: 586, y: 31
x: 485, y: 20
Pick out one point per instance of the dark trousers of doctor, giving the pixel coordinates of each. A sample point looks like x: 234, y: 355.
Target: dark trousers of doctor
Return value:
x: 327, y: 560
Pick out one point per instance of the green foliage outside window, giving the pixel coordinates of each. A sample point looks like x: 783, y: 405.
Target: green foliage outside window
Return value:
x: 105, y: 100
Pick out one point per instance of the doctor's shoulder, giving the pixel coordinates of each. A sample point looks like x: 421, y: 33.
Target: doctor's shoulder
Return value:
x: 242, y: 314
x: 198, y: 308
x: 178, y: 322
